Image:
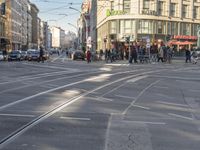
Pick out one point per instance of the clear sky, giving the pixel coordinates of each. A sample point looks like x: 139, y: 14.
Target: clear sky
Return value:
x: 51, y: 10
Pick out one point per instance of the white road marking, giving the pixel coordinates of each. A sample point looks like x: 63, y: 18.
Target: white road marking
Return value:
x: 141, y: 107
x: 122, y: 96
x: 141, y: 93
x: 175, y: 104
x: 137, y: 79
x: 71, y: 84
x: 56, y: 58
x: 147, y: 122
x: 161, y: 87
x: 73, y: 118
x: 180, y: 116
x: 17, y: 115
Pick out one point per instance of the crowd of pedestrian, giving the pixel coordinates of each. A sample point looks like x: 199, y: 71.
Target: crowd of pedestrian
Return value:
x: 136, y: 53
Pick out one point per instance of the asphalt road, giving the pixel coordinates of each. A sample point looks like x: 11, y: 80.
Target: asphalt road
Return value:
x: 72, y: 105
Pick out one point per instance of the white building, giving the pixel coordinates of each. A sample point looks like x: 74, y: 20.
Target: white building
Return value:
x: 58, y: 37
x: 155, y: 19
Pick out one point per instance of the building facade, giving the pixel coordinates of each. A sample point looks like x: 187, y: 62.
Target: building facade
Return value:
x: 58, y: 37
x: 24, y: 26
x: 16, y: 21
x: 155, y: 19
x: 35, y: 29
x: 29, y: 26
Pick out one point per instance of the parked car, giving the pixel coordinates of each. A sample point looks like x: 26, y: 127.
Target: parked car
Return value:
x: 14, y: 55
x: 1, y: 56
x: 33, y: 55
x: 24, y: 55
x: 78, y: 54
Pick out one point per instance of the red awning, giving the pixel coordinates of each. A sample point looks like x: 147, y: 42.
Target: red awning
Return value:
x: 180, y: 43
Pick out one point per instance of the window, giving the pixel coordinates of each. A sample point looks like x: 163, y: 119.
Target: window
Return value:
x: 112, y: 5
x: 174, y: 27
x: 185, y: 29
x: 185, y: 11
x: 145, y: 26
x: 126, y: 6
x: 160, y: 31
x: 194, y: 29
x: 195, y: 12
x: 146, y: 4
x: 161, y: 8
x: 113, y: 27
x: 173, y: 11
x: 127, y: 26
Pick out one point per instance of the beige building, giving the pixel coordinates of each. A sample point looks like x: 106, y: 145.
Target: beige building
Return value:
x: 155, y: 19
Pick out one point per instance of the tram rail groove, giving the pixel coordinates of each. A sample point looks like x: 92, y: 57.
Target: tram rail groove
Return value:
x: 11, y: 137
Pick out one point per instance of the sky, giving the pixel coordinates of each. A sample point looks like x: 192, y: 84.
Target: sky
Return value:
x: 55, y: 11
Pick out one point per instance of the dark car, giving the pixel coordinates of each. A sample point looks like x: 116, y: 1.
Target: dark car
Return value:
x: 33, y: 55
x: 78, y: 55
x: 14, y: 55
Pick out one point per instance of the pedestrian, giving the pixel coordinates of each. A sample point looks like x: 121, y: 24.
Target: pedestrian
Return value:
x: 194, y: 57
x: 88, y: 56
x: 187, y: 55
x: 169, y: 53
x: 160, y: 53
x: 41, y: 54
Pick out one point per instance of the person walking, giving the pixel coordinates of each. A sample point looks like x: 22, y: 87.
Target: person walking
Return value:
x: 88, y: 56
x: 160, y: 53
x: 169, y: 54
x: 41, y: 54
x: 187, y: 55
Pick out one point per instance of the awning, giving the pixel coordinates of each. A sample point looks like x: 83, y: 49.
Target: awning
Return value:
x: 180, y: 43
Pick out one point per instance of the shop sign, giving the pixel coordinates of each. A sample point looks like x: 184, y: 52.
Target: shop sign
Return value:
x: 114, y: 12
x: 185, y: 37
x: 149, y: 12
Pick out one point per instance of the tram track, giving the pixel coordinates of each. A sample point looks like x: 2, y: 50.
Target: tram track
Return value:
x: 9, y: 138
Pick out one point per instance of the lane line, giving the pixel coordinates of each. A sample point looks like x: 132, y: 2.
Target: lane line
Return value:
x: 46, y: 115
x: 147, y: 122
x: 17, y: 115
x: 180, y: 116
x: 141, y: 93
x: 73, y: 118
x: 175, y: 104
x: 122, y: 96
x: 161, y: 87
x: 64, y: 86
x: 141, y: 107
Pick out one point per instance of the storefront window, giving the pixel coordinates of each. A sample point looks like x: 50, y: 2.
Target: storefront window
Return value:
x: 145, y: 27
x: 194, y: 29
x: 113, y: 27
x: 185, y: 29
x: 169, y: 28
x: 174, y: 27
x: 126, y: 6
x: 127, y: 26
